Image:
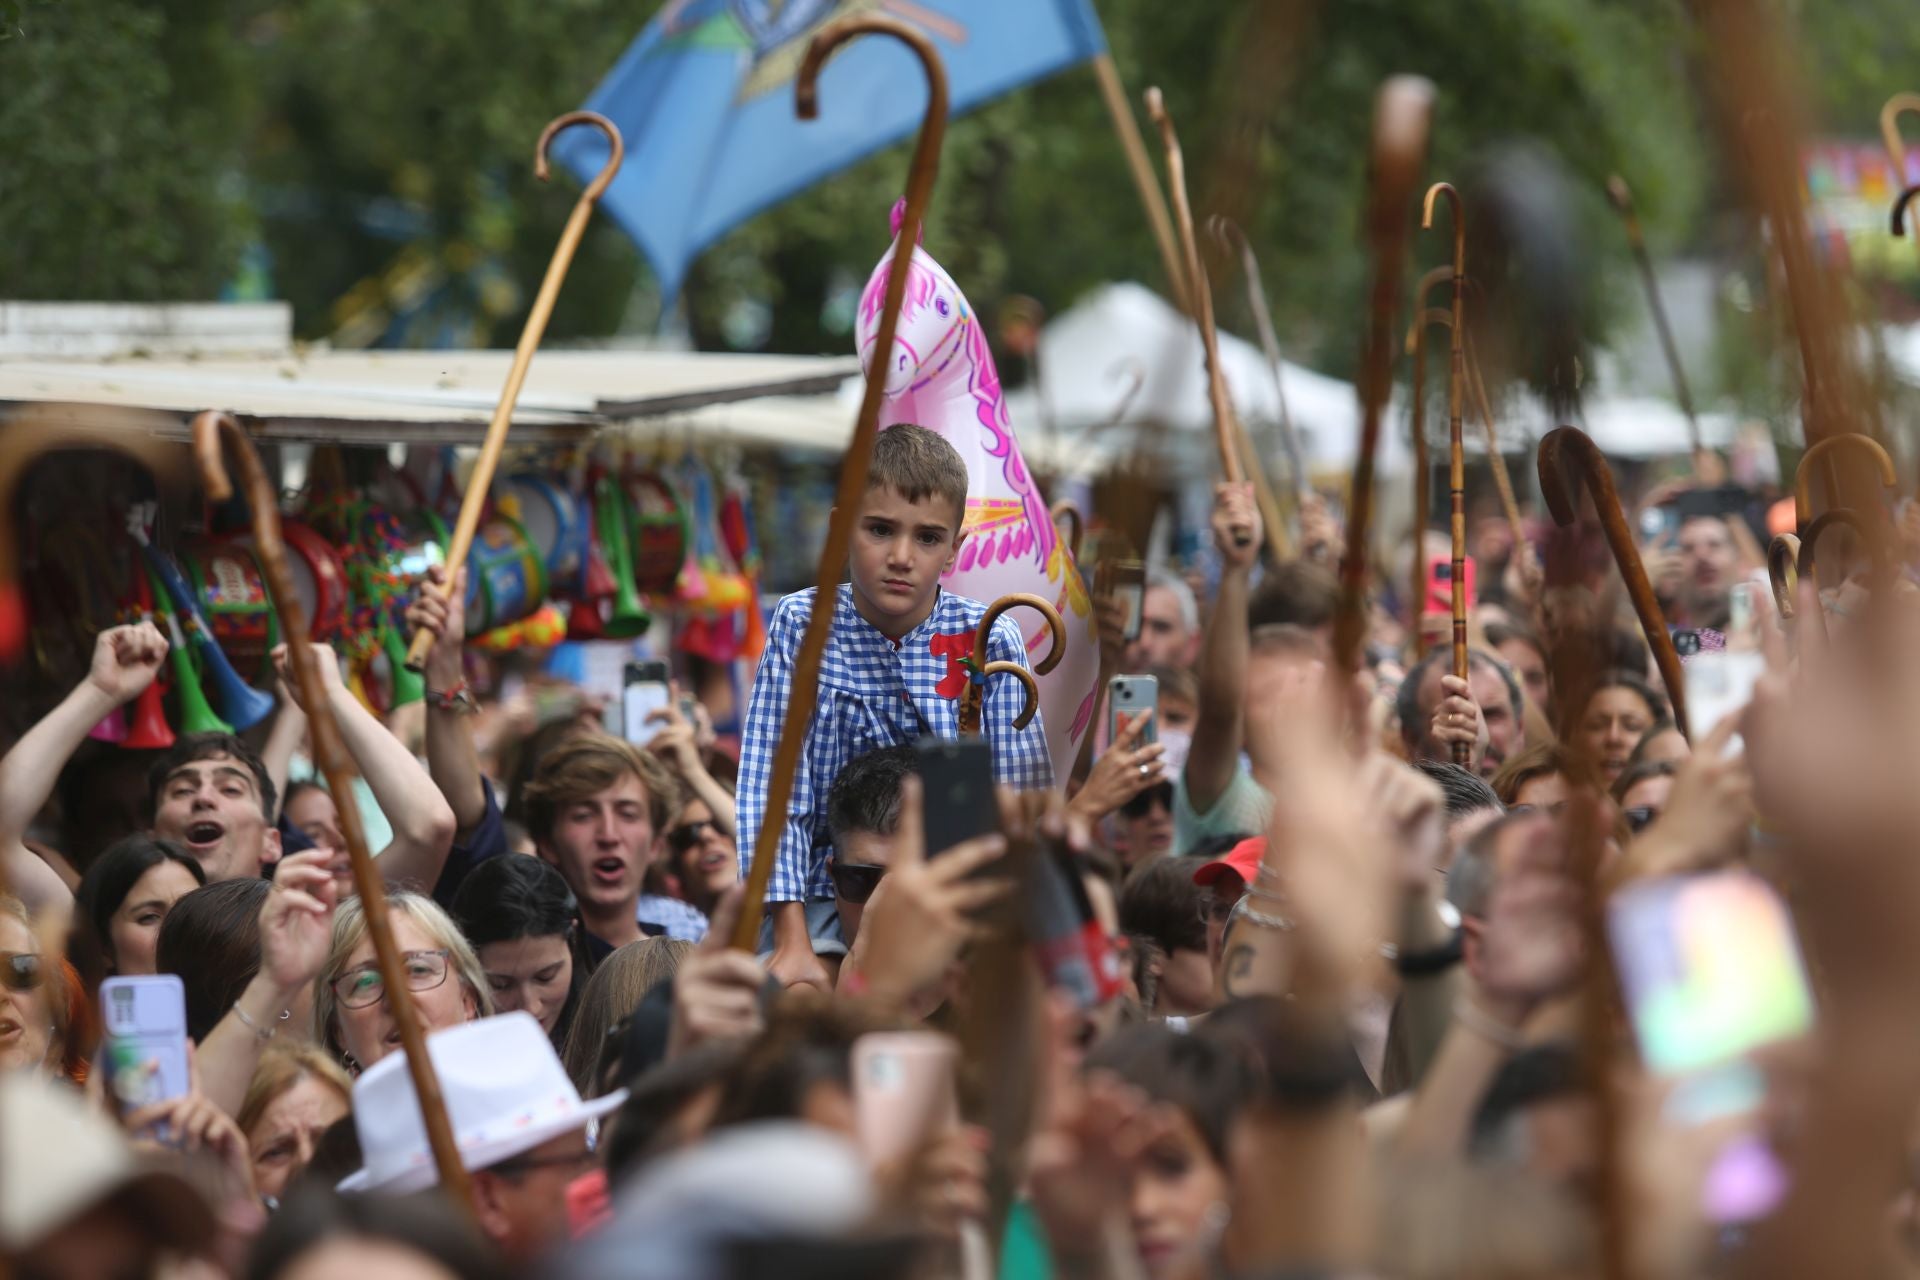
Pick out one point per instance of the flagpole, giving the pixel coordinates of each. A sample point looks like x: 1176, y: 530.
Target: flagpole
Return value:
x: 1127, y: 129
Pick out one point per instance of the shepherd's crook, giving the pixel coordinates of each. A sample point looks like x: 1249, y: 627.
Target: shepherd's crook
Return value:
x: 1622, y: 197
x: 1803, y: 501
x: 1228, y: 233
x: 1898, y: 105
x: 1456, y: 446
x: 973, y: 697
x: 26, y: 437
x: 1402, y: 114
x: 481, y: 481
x: 1226, y: 426
x: 330, y: 753
x: 1567, y: 449
x: 859, y: 455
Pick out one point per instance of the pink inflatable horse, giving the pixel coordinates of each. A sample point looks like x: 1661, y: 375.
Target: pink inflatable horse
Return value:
x: 940, y: 375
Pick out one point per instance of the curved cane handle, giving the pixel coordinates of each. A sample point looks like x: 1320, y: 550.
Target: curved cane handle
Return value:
x: 1055, y: 653
x: 1868, y: 534
x: 1899, y: 221
x: 24, y: 438
x: 617, y: 149
x: 1783, y: 554
x: 1026, y: 679
x: 1802, y: 499
x: 330, y: 754
x: 1566, y: 450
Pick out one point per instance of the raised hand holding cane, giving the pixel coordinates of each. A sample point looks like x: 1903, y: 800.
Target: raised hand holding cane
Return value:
x: 481, y: 481
x: 330, y: 753
x: 1456, y: 447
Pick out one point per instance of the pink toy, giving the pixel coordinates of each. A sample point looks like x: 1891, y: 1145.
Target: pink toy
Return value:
x: 941, y: 376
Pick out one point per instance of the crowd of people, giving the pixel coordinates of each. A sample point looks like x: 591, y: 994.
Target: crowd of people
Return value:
x: 1353, y: 1010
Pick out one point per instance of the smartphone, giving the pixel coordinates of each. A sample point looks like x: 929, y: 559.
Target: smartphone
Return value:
x: 1128, y: 696
x: 1720, y: 683
x: 903, y: 1092
x: 1125, y: 581
x: 643, y: 692
x: 144, y: 1047
x: 1711, y: 971
x: 956, y: 791
x: 1440, y: 584
x: 1724, y: 500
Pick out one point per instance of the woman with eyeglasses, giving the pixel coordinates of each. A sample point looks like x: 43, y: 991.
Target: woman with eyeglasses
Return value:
x: 351, y: 1017
x: 522, y: 921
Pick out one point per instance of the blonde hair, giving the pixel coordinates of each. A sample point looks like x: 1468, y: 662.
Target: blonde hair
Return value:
x: 620, y: 983
x: 583, y: 767
x: 350, y: 930
x: 284, y: 1064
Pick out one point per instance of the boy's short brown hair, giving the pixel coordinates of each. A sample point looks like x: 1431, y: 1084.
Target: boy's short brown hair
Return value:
x: 918, y: 464
x: 583, y: 767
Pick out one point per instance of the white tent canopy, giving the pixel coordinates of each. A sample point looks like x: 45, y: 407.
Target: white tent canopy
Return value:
x: 1090, y: 354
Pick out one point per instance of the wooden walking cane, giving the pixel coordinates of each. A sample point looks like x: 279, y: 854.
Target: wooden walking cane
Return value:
x: 1483, y: 407
x: 1456, y: 446
x: 1416, y: 346
x: 480, y: 483
x: 1621, y: 196
x: 1232, y: 239
x: 1868, y: 531
x: 330, y: 753
x: 859, y: 455
x: 27, y: 436
x: 1898, y: 105
x: 1127, y: 129
x: 973, y: 697
x: 1402, y: 115
x: 1899, y: 225
x: 1568, y: 449
x: 1227, y: 430
x: 1803, y: 500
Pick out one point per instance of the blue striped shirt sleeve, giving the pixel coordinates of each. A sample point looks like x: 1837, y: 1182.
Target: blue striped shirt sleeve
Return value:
x: 766, y: 714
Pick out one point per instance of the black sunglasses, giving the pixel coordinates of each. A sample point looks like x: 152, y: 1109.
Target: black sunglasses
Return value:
x: 22, y: 971
x: 855, y: 881
x: 683, y: 838
x: 1140, y: 806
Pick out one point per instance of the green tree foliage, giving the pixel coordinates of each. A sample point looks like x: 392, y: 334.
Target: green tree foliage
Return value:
x: 120, y: 161
x: 381, y: 155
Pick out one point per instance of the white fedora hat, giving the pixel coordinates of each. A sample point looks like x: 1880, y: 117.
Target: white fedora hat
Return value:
x: 506, y: 1093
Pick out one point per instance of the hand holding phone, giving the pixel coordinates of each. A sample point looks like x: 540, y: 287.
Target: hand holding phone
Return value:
x: 145, y: 1046
x: 957, y: 797
x: 645, y: 690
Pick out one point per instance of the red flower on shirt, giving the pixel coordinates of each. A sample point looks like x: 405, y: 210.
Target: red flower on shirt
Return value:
x: 956, y: 648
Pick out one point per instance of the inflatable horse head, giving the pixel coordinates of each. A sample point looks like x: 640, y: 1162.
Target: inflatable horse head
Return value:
x: 940, y: 375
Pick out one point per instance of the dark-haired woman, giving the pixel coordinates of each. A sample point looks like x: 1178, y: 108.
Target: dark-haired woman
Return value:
x: 127, y: 893
x: 522, y: 921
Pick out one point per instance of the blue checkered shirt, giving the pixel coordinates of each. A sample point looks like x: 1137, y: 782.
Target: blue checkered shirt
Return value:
x: 873, y: 693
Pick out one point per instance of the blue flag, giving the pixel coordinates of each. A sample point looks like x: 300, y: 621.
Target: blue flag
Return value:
x: 704, y: 102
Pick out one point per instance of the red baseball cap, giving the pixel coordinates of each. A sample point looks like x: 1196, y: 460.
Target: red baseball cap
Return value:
x: 1243, y: 860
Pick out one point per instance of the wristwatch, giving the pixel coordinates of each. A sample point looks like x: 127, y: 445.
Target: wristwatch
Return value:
x: 1425, y: 964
